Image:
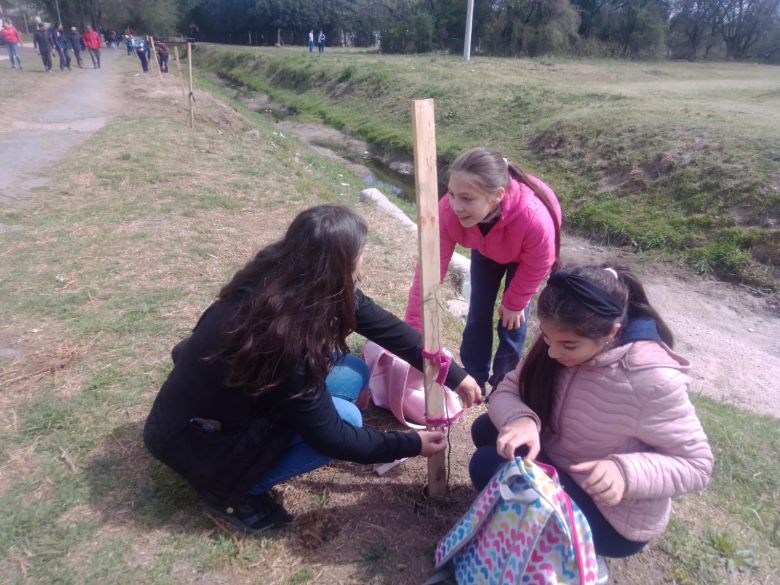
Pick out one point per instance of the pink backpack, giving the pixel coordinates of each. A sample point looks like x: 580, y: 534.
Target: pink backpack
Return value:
x: 398, y: 387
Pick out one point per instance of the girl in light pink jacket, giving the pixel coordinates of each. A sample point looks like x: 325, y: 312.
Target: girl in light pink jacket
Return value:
x: 602, y: 397
x: 510, y: 221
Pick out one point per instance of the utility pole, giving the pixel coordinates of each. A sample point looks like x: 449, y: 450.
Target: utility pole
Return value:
x: 469, y: 18
x: 57, y: 6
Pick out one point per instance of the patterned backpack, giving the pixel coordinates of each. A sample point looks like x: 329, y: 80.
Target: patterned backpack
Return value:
x: 522, y: 528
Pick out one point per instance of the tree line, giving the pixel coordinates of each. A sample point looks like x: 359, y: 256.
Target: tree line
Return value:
x: 691, y: 29
x: 636, y: 29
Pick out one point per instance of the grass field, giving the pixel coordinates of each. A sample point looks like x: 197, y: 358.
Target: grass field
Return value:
x: 676, y: 158
x: 111, y: 265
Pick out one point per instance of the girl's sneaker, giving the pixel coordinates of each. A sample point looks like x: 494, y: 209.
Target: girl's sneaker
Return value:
x: 252, y: 513
x: 603, y: 574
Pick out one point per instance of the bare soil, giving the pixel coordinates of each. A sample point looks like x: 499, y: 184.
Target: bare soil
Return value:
x: 731, y: 335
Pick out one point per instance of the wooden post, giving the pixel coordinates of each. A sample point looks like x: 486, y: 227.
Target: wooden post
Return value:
x: 178, y: 67
x: 423, y: 124
x: 192, y: 96
x: 156, y: 60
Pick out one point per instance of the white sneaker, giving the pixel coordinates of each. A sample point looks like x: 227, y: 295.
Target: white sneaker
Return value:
x: 603, y: 575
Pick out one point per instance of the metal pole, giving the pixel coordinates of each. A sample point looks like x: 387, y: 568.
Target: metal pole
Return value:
x: 57, y: 6
x: 469, y: 18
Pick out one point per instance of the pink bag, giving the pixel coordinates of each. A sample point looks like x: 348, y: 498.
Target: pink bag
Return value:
x: 398, y: 387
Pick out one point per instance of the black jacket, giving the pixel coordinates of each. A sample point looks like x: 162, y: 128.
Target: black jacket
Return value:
x: 42, y: 41
x: 254, y: 432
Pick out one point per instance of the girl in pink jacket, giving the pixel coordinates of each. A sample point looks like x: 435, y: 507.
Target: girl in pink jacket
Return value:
x: 602, y: 397
x: 511, y: 222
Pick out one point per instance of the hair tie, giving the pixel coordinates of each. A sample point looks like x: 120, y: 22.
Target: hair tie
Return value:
x: 613, y: 272
x: 594, y: 297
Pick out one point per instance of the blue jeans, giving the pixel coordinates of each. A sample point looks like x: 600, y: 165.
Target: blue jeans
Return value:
x: 15, y: 53
x: 344, y: 382
x: 486, y: 462
x: 477, y: 345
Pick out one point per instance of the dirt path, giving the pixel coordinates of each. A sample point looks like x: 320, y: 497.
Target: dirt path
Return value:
x: 62, y: 111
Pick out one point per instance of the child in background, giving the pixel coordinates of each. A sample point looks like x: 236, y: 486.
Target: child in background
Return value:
x: 162, y: 55
x: 602, y: 397
x: 264, y: 389
x: 511, y: 222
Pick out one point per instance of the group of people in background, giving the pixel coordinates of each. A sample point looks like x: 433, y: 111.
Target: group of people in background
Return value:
x: 69, y: 45
x: 320, y: 41
x: 143, y: 50
x: 48, y: 41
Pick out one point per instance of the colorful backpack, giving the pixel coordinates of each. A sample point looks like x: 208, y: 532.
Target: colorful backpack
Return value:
x: 398, y: 387
x: 522, y: 528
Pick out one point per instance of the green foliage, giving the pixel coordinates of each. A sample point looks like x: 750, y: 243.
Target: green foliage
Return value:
x: 631, y: 170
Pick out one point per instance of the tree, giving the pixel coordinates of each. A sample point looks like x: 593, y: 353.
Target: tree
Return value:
x: 742, y: 22
x: 692, y: 22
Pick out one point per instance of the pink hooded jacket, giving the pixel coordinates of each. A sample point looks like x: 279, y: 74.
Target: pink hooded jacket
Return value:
x: 628, y: 404
x: 525, y: 234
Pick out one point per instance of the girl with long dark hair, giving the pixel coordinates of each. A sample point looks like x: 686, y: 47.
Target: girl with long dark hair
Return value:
x: 263, y: 390
x: 603, y: 398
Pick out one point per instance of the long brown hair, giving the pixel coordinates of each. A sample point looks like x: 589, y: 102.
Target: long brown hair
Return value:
x: 296, y: 300
x: 539, y: 372
x: 490, y: 171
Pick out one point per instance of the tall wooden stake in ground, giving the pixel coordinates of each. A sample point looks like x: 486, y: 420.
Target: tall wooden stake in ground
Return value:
x: 426, y: 183
x: 178, y: 67
x: 192, y: 96
x: 156, y: 60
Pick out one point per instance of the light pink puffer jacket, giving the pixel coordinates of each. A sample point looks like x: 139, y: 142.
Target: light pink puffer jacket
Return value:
x: 629, y: 404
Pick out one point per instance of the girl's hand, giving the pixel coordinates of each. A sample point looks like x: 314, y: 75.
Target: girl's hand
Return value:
x: 515, y: 434
x: 510, y: 319
x: 469, y: 392
x: 605, y: 483
x: 432, y: 442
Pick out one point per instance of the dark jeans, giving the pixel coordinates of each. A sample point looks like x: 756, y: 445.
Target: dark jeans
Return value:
x: 144, y: 61
x: 345, y: 381
x: 64, y: 55
x: 486, y: 461
x: 477, y: 345
x: 94, y: 54
x: 77, y: 53
x: 46, y: 58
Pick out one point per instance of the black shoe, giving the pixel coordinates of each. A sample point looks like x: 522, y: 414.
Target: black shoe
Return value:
x: 251, y: 514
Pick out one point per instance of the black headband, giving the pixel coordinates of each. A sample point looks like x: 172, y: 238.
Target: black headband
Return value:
x: 594, y: 297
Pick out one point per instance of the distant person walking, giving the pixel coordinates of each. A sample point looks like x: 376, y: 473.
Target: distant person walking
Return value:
x: 92, y: 43
x: 311, y: 41
x: 62, y: 46
x: 142, y: 52
x: 42, y: 43
x: 14, y: 43
x: 74, y: 39
x: 321, y: 42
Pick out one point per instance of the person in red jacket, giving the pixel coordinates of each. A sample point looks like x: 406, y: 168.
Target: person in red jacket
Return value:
x: 14, y: 43
x: 92, y: 43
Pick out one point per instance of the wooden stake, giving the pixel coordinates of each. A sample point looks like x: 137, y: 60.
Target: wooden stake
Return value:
x: 192, y: 96
x: 156, y: 60
x: 178, y: 67
x: 423, y: 124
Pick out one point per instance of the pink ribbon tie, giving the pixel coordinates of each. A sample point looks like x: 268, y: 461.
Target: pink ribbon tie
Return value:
x: 441, y: 360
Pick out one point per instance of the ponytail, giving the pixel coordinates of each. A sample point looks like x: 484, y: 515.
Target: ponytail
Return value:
x: 521, y: 176
x: 639, y: 305
x: 561, y: 301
